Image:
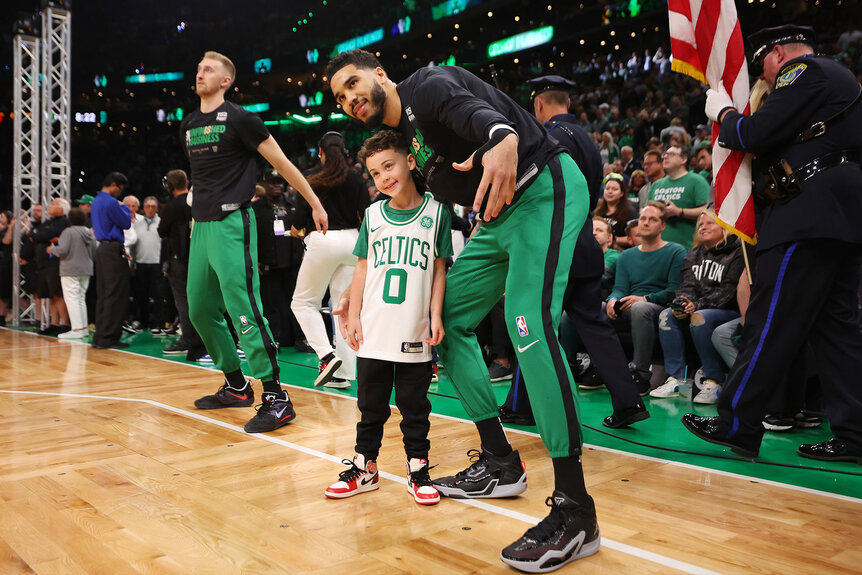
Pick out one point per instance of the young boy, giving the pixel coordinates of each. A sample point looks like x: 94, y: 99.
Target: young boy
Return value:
x: 395, y: 315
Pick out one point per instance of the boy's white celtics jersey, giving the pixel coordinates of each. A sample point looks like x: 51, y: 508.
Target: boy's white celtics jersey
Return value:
x: 396, y: 303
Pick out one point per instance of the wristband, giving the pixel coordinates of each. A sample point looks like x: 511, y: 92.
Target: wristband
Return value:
x: 495, y: 138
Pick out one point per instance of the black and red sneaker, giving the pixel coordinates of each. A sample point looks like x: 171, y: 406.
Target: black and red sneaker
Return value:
x: 227, y: 397
x: 275, y: 411
x: 361, y: 477
x: 569, y: 532
x: 327, y: 368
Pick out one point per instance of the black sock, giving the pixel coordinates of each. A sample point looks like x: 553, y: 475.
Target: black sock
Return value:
x: 493, y: 437
x: 569, y: 478
x: 235, y: 379
x: 274, y: 387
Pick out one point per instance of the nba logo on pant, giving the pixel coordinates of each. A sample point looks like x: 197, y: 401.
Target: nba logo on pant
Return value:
x: 522, y: 326
x: 243, y: 320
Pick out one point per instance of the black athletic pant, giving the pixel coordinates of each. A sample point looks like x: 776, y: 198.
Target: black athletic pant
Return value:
x: 583, y: 304
x: 149, y: 297
x: 375, y: 380
x: 803, y: 290
x: 276, y: 292
x: 112, y: 292
x: 178, y: 278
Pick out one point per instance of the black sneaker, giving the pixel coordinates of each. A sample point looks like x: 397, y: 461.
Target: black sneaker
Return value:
x: 807, y: 419
x: 590, y: 379
x: 488, y: 477
x: 499, y: 372
x: 227, y: 397
x: 129, y: 328
x: 641, y: 382
x: 627, y: 416
x: 275, y: 411
x: 778, y: 422
x: 176, y: 349
x: 326, y: 368
x: 569, y: 532
x: 515, y: 418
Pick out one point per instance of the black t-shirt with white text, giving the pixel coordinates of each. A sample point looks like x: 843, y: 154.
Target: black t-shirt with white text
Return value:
x: 222, y: 149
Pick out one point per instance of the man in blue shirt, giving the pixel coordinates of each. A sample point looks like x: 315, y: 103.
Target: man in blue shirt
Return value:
x: 110, y: 218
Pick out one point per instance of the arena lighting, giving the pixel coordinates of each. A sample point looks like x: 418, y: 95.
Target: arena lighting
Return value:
x: 257, y: 108
x: 262, y: 66
x: 401, y: 27
x: 452, y: 7
x: 307, y: 119
x: 312, y: 56
x: 358, y: 42
x: 521, y: 41
x: 153, y: 78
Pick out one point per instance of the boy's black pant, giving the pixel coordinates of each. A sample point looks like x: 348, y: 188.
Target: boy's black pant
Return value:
x: 411, y: 380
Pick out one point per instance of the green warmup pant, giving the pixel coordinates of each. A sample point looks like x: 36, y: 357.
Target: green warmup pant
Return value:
x: 223, y: 277
x: 526, y: 254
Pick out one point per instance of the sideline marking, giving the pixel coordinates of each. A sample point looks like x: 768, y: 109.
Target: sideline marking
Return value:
x: 749, y: 478
x: 609, y: 543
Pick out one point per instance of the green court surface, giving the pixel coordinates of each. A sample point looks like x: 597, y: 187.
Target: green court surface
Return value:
x: 662, y: 436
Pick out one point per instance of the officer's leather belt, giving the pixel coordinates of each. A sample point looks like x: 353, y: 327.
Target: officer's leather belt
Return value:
x: 824, y: 162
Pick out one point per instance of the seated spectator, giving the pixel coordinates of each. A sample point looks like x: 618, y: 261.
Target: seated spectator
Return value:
x: 604, y: 234
x: 685, y: 194
x: 654, y: 171
x: 646, y: 278
x: 705, y: 299
x: 704, y: 161
x: 614, y: 206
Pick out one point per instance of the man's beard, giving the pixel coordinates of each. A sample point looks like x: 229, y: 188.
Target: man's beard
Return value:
x: 378, y: 99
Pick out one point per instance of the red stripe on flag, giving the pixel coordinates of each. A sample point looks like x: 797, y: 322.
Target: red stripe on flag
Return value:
x: 685, y: 52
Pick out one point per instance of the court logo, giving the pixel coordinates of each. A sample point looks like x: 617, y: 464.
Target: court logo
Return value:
x: 426, y: 222
x: 522, y: 326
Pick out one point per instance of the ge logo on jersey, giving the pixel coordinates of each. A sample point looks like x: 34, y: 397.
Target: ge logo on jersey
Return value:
x: 426, y: 222
x: 521, y: 322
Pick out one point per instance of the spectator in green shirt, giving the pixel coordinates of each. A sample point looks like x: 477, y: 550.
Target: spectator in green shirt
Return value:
x: 685, y: 194
x: 646, y: 279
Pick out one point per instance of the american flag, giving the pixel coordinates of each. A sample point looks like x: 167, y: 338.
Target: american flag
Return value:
x: 706, y: 43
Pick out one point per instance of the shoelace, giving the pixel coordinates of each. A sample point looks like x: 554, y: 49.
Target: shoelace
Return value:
x: 352, y: 473
x: 475, y: 456
x: 421, y: 478
x: 549, y: 525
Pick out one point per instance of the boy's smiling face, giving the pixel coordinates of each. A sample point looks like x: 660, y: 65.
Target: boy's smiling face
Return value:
x: 391, y: 172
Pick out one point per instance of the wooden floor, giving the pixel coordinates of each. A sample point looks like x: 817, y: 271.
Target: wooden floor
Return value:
x: 105, y: 467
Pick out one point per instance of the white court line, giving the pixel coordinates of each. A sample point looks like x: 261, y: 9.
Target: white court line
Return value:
x: 609, y: 543
x: 699, y: 468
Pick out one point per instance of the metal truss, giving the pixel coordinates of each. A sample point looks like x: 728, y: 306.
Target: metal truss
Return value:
x: 56, y: 103
x: 27, y: 156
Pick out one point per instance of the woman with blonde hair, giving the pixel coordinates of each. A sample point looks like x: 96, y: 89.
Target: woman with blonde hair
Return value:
x: 705, y: 299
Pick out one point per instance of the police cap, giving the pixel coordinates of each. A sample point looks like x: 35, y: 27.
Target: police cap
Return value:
x: 764, y: 40
x: 548, y: 83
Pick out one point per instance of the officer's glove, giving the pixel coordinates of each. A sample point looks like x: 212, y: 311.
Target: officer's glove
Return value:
x: 717, y: 101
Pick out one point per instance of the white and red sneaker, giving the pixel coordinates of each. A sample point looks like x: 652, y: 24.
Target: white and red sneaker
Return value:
x: 419, y: 482
x: 361, y: 477
x: 435, y: 377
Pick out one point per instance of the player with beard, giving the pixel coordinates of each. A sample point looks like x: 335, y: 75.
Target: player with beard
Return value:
x: 222, y: 142
x: 477, y: 147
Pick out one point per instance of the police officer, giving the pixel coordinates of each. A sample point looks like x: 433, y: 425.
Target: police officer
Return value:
x: 583, y: 296
x: 809, y: 132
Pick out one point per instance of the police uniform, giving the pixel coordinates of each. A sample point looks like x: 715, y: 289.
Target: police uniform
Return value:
x: 809, y: 250
x: 583, y: 298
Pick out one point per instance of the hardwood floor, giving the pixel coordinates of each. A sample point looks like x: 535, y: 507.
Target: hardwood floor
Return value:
x: 105, y: 467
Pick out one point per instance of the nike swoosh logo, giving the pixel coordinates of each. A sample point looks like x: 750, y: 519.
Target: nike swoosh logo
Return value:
x: 366, y: 480
x: 280, y: 414
x: 248, y: 329
x: 526, y: 347
x: 372, y: 230
x: 243, y: 396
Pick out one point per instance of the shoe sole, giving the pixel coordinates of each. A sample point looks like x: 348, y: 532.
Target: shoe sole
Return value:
x: 504, y: 378
x: 663, y: 396
x: 224, y: 406
x: 335, y: 495
x: 178, y: 352
x: 337, y: 384
x: 327, y: 373
x: 421, y: 501
x: 553, y: 560
x: 496, y: 491
x: 777, y: 428
x: 747, y: 453
x: 711, y: 401
x: 590, y: 387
